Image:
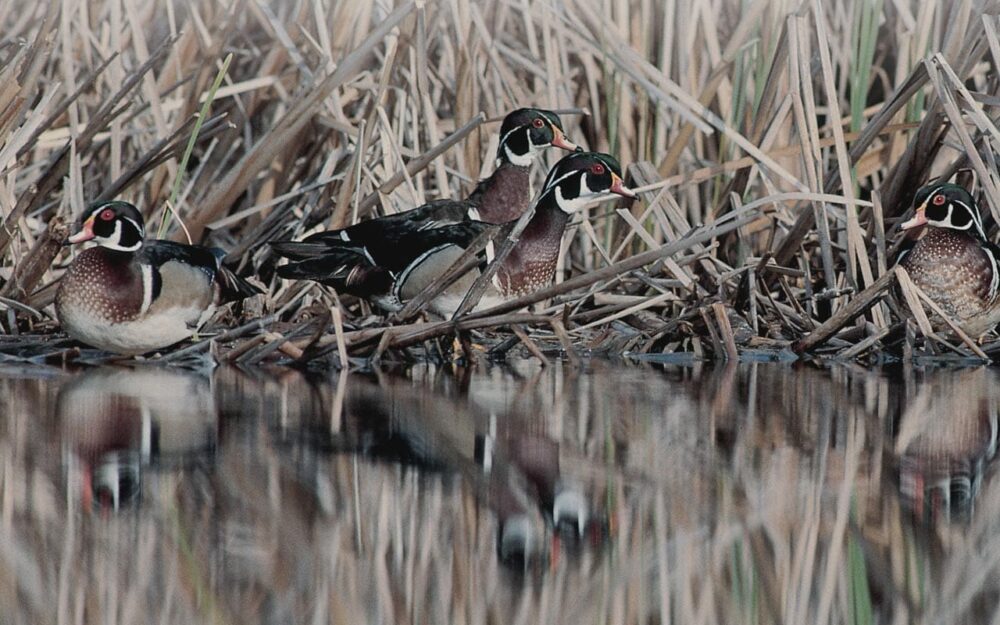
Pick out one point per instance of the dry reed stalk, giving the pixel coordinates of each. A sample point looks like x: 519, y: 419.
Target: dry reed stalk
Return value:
x: 289, y: 127
x: 335, y: 110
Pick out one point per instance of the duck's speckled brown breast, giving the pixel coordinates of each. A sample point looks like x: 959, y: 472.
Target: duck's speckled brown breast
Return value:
x: 953, y: 269
x: 532, y: 264
x: 101, y: 284
x: 505, y: 195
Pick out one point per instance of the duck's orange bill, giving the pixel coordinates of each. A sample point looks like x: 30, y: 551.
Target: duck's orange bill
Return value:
x: 618, y: 186
x: 86, y: 233
x: 555, y: 552
x: 559, y: 140
x: 919, y: 219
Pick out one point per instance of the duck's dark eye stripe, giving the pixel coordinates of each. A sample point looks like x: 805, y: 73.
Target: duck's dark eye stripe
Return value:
x: 571, y: 187
x: 517, y: 142
x: 131, y: 235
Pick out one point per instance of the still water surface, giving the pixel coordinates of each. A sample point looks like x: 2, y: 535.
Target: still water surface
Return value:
x: 756, y: 493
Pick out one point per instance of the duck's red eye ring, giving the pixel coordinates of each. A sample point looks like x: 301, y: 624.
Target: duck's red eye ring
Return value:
x: 537, y: 122
x: 938, y: 200
x: 597, y: 169
x: 107, y: 214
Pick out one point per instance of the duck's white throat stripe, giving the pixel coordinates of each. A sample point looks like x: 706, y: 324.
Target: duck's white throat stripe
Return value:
x: 572, y: 205
x: 521, y: 160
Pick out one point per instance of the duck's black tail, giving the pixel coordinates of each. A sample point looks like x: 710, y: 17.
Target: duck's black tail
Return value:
x: 348, y: 270
x: 232, y: 288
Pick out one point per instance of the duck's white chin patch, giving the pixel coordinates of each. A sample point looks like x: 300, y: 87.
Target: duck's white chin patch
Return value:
x: 572, y: 205
x: 521, y: 160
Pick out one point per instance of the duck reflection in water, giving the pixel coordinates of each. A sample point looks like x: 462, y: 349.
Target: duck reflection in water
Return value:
x: 946, y: 438
x: 513, y: 469
x: 511, y: 466
x: 935, y: 430
x: 117, y: 423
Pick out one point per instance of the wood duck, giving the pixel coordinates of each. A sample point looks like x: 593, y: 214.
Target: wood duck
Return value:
x: 953, y: 262
x: 946, y: 440
x: 503, y: 197
x: 515, y: 473
x: 117, y: 422
x: 420, y: 257
x: 131, y: 296
x: 562, y: 500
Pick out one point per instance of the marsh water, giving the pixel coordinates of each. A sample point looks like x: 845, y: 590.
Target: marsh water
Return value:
x: 749, y: 493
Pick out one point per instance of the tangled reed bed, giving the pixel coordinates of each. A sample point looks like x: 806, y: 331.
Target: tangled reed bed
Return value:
x: 775, y: 146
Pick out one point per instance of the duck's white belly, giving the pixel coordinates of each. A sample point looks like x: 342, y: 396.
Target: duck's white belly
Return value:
x: 153, y: 331
x: 446, y: 304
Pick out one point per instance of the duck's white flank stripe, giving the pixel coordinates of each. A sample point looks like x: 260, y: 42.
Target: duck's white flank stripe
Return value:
x: 147, y: 288
x: 995, y: 279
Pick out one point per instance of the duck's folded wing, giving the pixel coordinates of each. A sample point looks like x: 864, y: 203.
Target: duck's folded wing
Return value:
x: 346, y: 269
x: 206, y: 260
x: 380, y: 236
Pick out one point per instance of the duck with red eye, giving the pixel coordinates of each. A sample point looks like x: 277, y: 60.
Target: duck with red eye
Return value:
x: 502, y: 197
x: 572, y: 184
x: 953, y: 262
x: 131, y: 296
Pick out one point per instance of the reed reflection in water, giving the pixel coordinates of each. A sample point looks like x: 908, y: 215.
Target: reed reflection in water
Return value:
x: 755, y: 493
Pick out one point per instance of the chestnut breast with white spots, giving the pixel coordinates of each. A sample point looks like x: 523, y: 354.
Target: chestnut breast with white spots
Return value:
x: 506, y: 194
x: 101, y: 283
x: 954, y: 270
x: 531, y: 265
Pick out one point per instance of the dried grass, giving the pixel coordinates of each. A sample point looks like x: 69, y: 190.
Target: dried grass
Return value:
x: 757, y: 131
